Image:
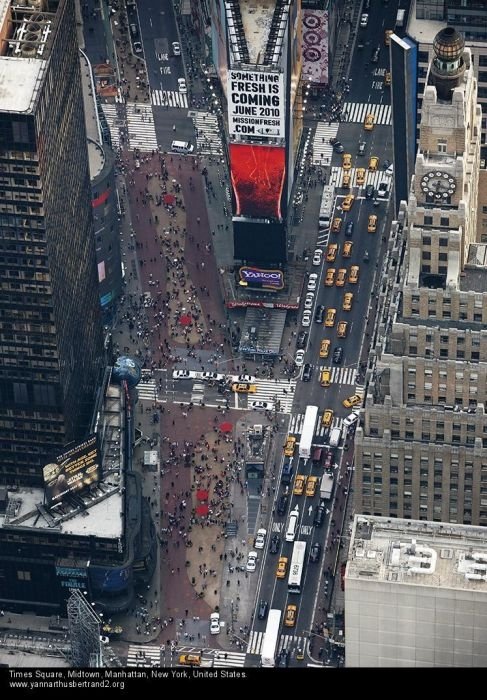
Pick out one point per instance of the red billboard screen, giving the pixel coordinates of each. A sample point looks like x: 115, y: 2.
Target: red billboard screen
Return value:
x: 258, y: 177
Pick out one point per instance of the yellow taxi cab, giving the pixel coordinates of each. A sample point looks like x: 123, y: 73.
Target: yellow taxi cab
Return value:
x: 244, y: 388
x: 372, y: 223
x: 327, y: 418
x: 341, y: 277
x: 311, y: 485
x: 291, y: 615
x: 190, y: 660
x: 353, y: 275
x: 348, y: 202
x: 281, y: 567
x: 373, y: 163
x: 369, y: 122
x: 289, y: 446
x: 347, y: 301
x: 336, y: 225
x: 387, y: 36
x: 342, y: 329
x: 347, y: 161
x: 299, y: 484
x: 352, y: 401
x: 325, y: 378
x: 346, y: 180
x: 330, y: 277
x: 387, y: 79
x: 331, y: 252
x: 330, y: 318
x: 347, y: 249
x: 325, y: 347
x: 360, y: 175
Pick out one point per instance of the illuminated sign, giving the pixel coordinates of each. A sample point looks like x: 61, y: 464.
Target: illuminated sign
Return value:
x: 73, y: 470
x: 244, y: 304
x: 258, y: 177
x: 256, y: 104
x: 255, y: 277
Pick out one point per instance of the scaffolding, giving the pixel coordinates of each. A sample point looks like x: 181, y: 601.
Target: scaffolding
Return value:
x: 84, y: 632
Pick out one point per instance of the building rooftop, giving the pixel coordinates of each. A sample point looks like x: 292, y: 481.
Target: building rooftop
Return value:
x: 438, y: 555
x: 425, y: 30
x: 26, y: 31
x: 96, y: 155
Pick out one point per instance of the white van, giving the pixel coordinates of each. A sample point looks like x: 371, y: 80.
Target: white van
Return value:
x: 181, y: 147
x: 292, y: 525
x: 350, y: 420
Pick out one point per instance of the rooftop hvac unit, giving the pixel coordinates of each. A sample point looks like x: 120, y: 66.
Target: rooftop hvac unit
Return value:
x: 258, y: 429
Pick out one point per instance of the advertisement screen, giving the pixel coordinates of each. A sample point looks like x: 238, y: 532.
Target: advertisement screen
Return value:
x: 259, y: 243
x: 256, y: 104
x: 258, y: 177
x: 254, y: 277
x: 73, y: 470
x: 315, y: 46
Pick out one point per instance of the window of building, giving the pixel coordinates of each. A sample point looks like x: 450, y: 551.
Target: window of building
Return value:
x: 444, y: 221
x: 426, y: 255
x: 441, y: 145
x: 427, y: 239
x: 443, y: 256
x: 443, y: 242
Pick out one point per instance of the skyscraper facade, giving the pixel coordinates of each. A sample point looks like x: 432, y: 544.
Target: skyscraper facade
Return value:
x: 421, y: 451
x: 51, y: 347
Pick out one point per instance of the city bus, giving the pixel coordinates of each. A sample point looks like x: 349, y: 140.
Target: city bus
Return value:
x: 271, y: 638
x: 297, y: 567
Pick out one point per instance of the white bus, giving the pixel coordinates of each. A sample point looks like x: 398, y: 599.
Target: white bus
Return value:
x: 271, y: 639
x: 297, y: 567
x: 326, y: 207
x: 308, y: 431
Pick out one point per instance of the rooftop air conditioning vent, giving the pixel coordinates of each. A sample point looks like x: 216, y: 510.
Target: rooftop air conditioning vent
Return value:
x: 446, y: 553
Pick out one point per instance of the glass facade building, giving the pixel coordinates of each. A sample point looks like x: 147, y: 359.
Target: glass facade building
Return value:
x: 51, y: 336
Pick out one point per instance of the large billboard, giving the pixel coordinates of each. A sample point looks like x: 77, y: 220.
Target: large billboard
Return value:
x: 258, y: 178
x: 315, y: 47
x: 258, y: 242
x: 256, y: 104
x: 73, y: 470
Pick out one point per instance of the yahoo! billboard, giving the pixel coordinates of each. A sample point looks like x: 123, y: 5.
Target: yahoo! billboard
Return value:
x: 256, y: 277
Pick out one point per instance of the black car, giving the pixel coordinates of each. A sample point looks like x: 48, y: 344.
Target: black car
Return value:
x: 349, y: 229
x: 337, y: 355
x: 369, y: 191
x: 287, y: 472
x: 282, y: 505
x: 338, y: 148
x: 263, y: 609
x: 275, y: 544
x: 320, y: 313
x: 301, y: 340
x: 319, y: 515
x: 307, y: 372
x: 283, y: 659
x: 382, y: 191
x: 315, y: 552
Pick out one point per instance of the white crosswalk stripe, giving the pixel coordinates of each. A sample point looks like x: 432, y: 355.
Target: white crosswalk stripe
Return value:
x: 340, y: 375
x: 275, y: 390
x: 357, y: 111
x: 322, y: 149
x: 146, y: 656
x: 115, y: 117
x: 286, y: 641
x: 360, y: 390
x: 172, y: 98
x: 147, y: 390
x: 321, y: 431
x: 140, y: 123
x: 235, y: 659
x: 297, y: 420
x: 371, y: 178
x: 208, y: 134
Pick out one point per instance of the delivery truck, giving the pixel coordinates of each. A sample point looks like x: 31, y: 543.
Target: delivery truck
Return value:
x: 326, y: 486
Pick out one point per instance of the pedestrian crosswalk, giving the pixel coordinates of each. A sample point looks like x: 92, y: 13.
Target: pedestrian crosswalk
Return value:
x: 147, y: 390
x: 143, y: 656
x: 371, y: 178
x: 229, y: 659
x: 357, y: 111
x: 286, y: 641
x: 297, y: 420
x: 208, y: 133
x: 340, y: 375
x: 275, y: 390
x: 131, y: 125
x: 169, y: 98
x: 322, y: 149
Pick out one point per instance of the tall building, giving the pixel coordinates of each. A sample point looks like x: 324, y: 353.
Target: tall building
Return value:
x: 469, y: 18
x: 415, y: 594
x: 421, y: 450
x: 51, y: 348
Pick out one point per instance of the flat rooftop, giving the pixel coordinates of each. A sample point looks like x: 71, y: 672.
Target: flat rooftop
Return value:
x: 414, y: 552
x: 257, y: 19
x: 425, y: 30
x: 19, y: 82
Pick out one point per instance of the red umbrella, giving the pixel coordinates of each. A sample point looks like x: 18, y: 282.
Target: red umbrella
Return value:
x: 202, y: 509
x: 169, y: 199
x: 185, y: 320
x: 226, y: 427
x: 202, y: 495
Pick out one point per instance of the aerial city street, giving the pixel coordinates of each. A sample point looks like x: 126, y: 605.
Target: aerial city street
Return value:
x: 242, y: 357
